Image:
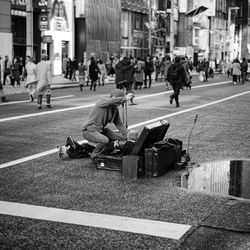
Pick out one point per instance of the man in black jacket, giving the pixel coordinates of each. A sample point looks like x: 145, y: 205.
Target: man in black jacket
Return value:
x: 148, y: 70
x: 176, y: 76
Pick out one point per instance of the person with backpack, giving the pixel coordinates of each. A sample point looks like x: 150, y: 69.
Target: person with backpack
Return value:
x: 176, y: 75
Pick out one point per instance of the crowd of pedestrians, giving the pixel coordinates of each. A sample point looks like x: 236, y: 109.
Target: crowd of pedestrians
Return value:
x: 130, y: 73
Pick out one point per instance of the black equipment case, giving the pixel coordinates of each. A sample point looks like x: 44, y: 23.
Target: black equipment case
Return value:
x: 161, y: 157
x: 132, y: 165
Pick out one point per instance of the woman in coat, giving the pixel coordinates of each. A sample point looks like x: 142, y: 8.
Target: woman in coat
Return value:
x: 82, y: 69
x: 139, y: 70
x: 31, y: 82
x: 236, y: 70
x: 14, y: 72
x: 103, y: 74
x: 93, y: 73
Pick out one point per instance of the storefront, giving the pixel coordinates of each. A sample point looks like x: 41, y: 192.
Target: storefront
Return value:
x: 57, y: 39
x: 18, y: 27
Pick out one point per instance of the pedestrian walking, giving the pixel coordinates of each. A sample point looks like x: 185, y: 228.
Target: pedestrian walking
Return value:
x: 166, y: 66
x: 14, y: 72
x: 176, y: 76
x: 74, y: 68
x: 148, y: 70
x: 138, y: 73
x: 103, y: 73
x: 248, y: 69
x: 44, y: 81
x: 243, y: 68
x: 68, y: 73
x: 157, y: 65
x: 187, y: 69
x: 93, y: 73
x: 82, y: 69
x: 21, y: 68
x: 162, y: 69
x: 6, y: 69
x: 31, y: 81
x: 64, y: 65
x: 2, y: 95
x: 236, y: 71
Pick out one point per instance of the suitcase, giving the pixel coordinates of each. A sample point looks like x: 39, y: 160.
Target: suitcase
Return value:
x: 150, y: 134
x: 162, y: 157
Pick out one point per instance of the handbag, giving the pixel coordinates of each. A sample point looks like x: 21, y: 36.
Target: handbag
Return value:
x: 201, y: 76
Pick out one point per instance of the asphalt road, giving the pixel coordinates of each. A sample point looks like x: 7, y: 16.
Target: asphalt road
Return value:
x: 221, y: 133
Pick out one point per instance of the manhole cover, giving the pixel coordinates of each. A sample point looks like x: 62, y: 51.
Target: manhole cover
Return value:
x: 230, y: 177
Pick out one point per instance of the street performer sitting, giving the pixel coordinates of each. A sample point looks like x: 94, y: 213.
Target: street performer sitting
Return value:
x: 95, y: 128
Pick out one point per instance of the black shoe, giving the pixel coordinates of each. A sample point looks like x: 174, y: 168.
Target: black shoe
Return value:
x: 177, y: 105
x: 170, y: 99
x: 49, y: 106
x: 39, y: 107
x: 145, y: 87
x: 70, y: 142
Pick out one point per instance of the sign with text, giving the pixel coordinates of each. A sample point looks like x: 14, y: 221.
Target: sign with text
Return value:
x: 40, y: 4
x: 18, y: 4
x: 47, y: 39
x: 44, y: 23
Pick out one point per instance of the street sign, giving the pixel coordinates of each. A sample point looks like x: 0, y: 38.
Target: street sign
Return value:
x: 44, y: 21
x: 47, y: 39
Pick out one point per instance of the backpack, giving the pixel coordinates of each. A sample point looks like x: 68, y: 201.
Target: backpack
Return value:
x: 174, y: 73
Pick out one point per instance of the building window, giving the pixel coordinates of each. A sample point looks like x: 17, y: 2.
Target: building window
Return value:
x: 138, y: 21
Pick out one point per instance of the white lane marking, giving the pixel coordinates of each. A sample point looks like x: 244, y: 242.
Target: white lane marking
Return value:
x: 170, y: 91
x: 53, y: 98
x: 111, y: 222
x: 21, y: 160
x: 188, y: 110
x: 45, y: 113
x: 91, y: 105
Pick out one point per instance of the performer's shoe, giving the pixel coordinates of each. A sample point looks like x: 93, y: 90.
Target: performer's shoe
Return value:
x: 70, y: 142
x: 177, y: 105
x: 49, y: 106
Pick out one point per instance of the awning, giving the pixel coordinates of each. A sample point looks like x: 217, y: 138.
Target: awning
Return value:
x: 196, y: 11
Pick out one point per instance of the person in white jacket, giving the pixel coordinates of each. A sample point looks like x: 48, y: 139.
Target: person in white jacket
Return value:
x: 31, y: 81
x: 44, y: 81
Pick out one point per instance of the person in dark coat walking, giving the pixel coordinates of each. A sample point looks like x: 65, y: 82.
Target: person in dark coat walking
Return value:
x: 93, y: 73
x: 125, y: 74
x: 148, y: 70
x: 176, y: 75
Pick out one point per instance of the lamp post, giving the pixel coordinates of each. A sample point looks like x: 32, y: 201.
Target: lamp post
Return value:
x: 149, y: 29
x: 172, y: 29
x: 29, y: 28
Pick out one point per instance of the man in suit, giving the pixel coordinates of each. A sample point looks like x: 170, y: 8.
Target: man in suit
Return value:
x: 44, y: 82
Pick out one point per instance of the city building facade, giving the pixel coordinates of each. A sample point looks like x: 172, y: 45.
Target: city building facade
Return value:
x: 198, y: 28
